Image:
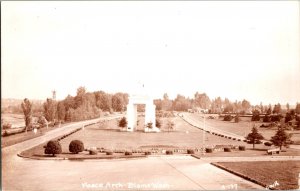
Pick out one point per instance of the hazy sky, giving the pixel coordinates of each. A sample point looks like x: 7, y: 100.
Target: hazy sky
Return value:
x: 247, y: 49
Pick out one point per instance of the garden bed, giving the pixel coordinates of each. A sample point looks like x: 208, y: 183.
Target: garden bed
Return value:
x: 266, y: 173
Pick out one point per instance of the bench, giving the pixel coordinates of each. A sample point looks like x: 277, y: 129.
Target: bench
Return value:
x: 273, y: 151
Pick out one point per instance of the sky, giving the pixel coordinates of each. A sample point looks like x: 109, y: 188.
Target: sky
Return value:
x: 234, y: 49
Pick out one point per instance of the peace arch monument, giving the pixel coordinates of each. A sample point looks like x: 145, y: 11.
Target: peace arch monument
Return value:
x: 141, y: 97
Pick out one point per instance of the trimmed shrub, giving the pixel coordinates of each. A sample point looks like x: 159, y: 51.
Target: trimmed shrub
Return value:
x: 268, y: 144
x: 267, y: 118
x: 237, y: 119
x: 53, y: 147
x: 275, y: 118
x: 233, y: 138
x: 190, y: 151
x: 239, y: 140
x: 169, y: 152
x: 147, y: 153
x: 222, y: 135
x: 93, y: 152
x: 128, y: 153
x: 76, y: 146
x: 150, y: 125
x: 229, y: 137
x: 208, y: 150
x: 228, y: 118
x: 109, y: 153
x: 123, y: 122
x: 157, y: 123
x: 242, y: 148
x: 227, y: 150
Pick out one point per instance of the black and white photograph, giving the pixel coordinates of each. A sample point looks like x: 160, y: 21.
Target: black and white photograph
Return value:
x: 150, y: 95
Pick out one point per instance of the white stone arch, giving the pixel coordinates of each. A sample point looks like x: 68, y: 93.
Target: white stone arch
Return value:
x: 134, y: 100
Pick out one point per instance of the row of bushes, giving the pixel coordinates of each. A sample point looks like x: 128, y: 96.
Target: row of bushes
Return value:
x: 230, y: 117
x: 68, y: 134
x: 54, y: 147
x: 228, y: 137
x: 226, y: 149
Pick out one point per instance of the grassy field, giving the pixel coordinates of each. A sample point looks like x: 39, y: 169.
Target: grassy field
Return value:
x: 20, y: 137
x: 284, y: 172
x: 249, y: 153
x: 17, y: 120
x: 107, y: 135
x: 244, y: 127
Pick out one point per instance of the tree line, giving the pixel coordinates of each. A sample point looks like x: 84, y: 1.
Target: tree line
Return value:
x: 217, y: 105
x: 85, y: 105
x: 88, y: 105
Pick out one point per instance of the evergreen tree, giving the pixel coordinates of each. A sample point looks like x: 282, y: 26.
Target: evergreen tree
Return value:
x: 281, y: 138
x: 254, y: 136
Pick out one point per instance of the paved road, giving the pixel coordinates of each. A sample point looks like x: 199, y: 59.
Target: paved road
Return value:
x: 198, y: 122
x: 153, y: 173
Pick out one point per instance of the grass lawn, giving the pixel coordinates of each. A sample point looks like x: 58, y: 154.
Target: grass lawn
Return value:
x: 17, y: 120
x: 243, y: 127
x: 20, y: 137
x: 284, y: 172
x: 249, y: 153
x: 107, y: 135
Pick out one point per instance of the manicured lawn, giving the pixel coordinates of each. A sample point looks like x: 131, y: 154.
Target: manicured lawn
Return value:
x: 20, y: 137
x: 243, y: 127
x: 284, y: 172
x: 108, y: 135
x: 249, y: 153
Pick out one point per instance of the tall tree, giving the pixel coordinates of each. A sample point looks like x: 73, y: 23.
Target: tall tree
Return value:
x: 287, y: 107
x: 27, y: 110
x: 254, y: 136
x: 219, y: 104
x: 166, y: 103
x: 118, y: 102
x: 261, y: 107
x: 50, y: 109
x: 281, y: 138
x: 246, y: 105
x: 61, y: 111
x: 79, y: 96
x: 103, y: 100
x: 277, y: 109
x: 297, y: 109
x: 158, y: 104
x: 202, y: 100
x: 181, y: 103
